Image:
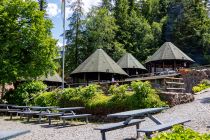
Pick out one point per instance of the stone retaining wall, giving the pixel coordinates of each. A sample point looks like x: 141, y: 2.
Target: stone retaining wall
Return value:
x: 173, y: 98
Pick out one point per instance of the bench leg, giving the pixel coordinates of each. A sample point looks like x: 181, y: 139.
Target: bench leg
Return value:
x: 10, y: 115
x: 87, y: 120
x: 28, y: 117
x: 137, y: 133
x: 148, y: 135
x: 49, y: 118
x: 103, y: 136
x: 64, y: 122
x: 40, y: 119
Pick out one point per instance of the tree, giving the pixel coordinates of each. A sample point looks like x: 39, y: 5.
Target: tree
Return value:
x: 26, y: 45
x: 42, y: 5
x: 191, y: 30
x: 107, y: 4
x: 74, y: 36
x: 100, y: 31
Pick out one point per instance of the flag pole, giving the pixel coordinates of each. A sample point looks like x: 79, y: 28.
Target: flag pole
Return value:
x: 64, y: 37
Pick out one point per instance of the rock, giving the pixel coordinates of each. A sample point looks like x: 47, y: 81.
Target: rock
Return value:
x: 173, y: 98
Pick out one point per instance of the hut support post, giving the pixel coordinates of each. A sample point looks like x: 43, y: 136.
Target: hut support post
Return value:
x: 174, y: 65
x: 163, y: 66
x: 99, y: 77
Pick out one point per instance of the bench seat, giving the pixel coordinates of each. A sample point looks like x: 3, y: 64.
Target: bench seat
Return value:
x: 158, y: 128
x: 119, y: 125
x: 4, y: 135
x: 28, y: 114
x: 66, y: 117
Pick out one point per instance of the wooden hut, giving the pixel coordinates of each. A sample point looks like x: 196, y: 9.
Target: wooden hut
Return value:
x: 168, y: 57
x: 131, y: 65
x: 98, y: 67
x: 51, y: 80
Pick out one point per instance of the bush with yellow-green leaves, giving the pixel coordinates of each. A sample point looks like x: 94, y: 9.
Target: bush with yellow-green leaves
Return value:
x: 180, y: 133
x: 97, y: 102
x: 204, y: 84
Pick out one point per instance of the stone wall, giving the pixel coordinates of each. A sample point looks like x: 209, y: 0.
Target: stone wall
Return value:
x: 173, y: 98
x: 193, y: 78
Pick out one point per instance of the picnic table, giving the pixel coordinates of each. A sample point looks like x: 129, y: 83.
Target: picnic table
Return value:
x: 6, y: 108
x: 69, y: 109
x: 5, y: 135
x: 130, y: 120
x: 129, y: 115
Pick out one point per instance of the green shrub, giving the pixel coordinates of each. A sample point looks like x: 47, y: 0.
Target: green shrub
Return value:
x: 25, y: 92
x: 180, y: 133
x: 98, y: 103
x: 145, y: 96
x: 48, y: 98
x: 204, y: 84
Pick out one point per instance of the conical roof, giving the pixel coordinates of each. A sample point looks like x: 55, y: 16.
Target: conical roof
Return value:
x: 169, y: 51
x: 129, y: 61
x: 99, y: 61
x: 51, y: 78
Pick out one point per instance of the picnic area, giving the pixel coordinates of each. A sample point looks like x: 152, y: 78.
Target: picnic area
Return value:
x: 105, y: 69
x: 198, y: 114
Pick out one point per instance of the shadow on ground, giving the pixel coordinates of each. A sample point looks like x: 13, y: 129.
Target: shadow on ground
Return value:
x: 205, y: 100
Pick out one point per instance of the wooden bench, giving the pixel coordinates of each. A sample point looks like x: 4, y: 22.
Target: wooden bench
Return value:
x: 158, y: 128
x: 113, y: 126
x: 5, y: 135
x: 28, y: 114
x: 67, y: 117
x: 52, y: 115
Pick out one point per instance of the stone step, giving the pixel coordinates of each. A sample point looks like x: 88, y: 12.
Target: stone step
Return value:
x: 176, y: 83
x: 175, y: 88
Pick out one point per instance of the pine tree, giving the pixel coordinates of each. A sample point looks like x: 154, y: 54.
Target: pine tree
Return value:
x: 100, y: 31
x: 107, y: 4
x: 191, y: 30
x: 121, y: 15
x: 74, y: 36
x: 42, y: 5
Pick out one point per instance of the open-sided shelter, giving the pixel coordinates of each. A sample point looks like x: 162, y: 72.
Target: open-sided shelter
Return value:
x: 131, y: 65
x: 52, y: 79
x: 168, y: 57
x: 98, y: 67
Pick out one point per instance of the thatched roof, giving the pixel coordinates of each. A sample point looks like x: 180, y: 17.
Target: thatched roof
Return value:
x: 169, y: 51
x: 99, y: 62
x: 128, y: 61
x: 51, y: 78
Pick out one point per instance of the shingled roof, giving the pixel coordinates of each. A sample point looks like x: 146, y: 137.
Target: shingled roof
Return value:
x: 51, y: 78
x: 169, y: 51
x: 99, y: 62
x: 128, y: 61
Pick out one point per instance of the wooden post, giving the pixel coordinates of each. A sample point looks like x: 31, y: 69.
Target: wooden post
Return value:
x: 163, y: 66
x: 155, y: 68
x: 174, y: 64
x: 99, y: 77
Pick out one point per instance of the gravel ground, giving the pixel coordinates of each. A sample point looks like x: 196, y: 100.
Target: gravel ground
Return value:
x: 198, y: 111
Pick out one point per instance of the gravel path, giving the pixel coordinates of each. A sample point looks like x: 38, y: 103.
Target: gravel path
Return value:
x: 198, y: 111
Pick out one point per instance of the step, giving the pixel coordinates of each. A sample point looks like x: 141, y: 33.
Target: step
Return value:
x: 173, y: 78
x: 176, y: 83
x: 175, y: 88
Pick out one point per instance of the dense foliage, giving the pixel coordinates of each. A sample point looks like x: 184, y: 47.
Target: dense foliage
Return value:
x: 180, y: 133
x: 96, y: 102
x: 24, y: 93
x: 140, y: 28
x: 26, y: 46
x: 204, y: 84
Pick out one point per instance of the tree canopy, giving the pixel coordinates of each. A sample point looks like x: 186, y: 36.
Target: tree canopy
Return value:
x: 140, y: 27
x: 26, y: 45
